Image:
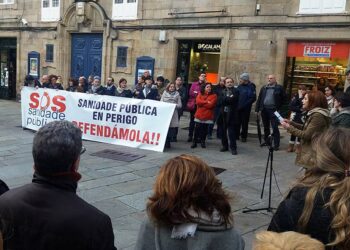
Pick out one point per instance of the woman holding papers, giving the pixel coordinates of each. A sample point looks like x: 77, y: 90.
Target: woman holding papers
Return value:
x: 317, y: 120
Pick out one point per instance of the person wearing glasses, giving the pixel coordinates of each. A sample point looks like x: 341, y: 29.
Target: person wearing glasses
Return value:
x: 47, y: 213
x: 271, y: 98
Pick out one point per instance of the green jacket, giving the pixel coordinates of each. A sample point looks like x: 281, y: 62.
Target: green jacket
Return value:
x: 317, y: 121
x: 342, y: 118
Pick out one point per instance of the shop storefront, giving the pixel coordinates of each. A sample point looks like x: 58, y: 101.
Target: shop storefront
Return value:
x: 316, y: 64
x: 196, y: 57
x: 7, y: 68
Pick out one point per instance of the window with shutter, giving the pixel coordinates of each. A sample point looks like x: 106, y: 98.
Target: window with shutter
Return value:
x: 321, y: 6
x: 50, y: 10
x: 122, y: 54
x: 124, y: 9
x: 49, y: 52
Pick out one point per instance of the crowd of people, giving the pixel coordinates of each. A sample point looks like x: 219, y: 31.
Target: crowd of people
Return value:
x: 188, y: 209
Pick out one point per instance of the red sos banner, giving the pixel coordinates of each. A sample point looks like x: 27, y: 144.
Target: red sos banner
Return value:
x: 42, y: 107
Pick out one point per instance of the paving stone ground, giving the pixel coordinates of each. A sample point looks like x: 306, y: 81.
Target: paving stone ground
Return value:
x: 121, y: 189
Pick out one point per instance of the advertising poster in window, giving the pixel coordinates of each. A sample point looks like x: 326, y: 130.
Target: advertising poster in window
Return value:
x: 33, y: 69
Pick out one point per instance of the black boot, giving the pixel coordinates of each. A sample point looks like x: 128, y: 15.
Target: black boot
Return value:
x: 194, y: 144
x: 167, y: 144
x: 203, y: 144
x: 189, y: 139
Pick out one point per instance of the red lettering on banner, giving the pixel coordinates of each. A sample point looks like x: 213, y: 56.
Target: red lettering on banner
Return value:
x: 34, y: 100
x: 118, y: 133
x: 58, y: 101
x: 145, y: 138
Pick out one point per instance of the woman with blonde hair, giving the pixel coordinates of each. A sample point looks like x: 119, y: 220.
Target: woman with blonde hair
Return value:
x: 319, y: 204
x: 317, y: 120
x: 285, y: 241
x: 188, y: 210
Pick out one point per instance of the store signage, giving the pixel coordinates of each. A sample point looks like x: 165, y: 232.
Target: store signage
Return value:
x: 108, y: 119
x: 210, y: 46
x: 321, y: 49
x: 317, y: 50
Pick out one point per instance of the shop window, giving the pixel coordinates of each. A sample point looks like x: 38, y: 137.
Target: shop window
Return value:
x: 122, y: 53
x: 50, y: 10
x: 124, y: 9
x: 7, y: 1
x: 316, y: 64
x: 49, y: 52
x: 321, y: 6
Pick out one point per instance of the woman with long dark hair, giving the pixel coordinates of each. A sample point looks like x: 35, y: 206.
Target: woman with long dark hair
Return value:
x: 317, y: 120
x: 319, y: 204
x: 188, y: 210
x: 205, y: 102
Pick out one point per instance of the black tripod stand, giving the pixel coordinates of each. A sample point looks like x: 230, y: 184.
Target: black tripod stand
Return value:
x: 268, y: 165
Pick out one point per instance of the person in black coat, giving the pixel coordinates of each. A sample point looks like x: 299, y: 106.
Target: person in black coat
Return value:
x: 148, y: 92
x: 271, y: 99
x: 47, y: 213
x: 319, y: 205
x: 29, y: 81
x: 97, y: 88
x: 110, y: 87
x: 247, y: 96
x: 228, y: 116
x: 295, y: 106
x: 122, y: 90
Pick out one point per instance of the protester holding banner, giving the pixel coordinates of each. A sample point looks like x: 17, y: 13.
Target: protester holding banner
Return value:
x: 170, y: 95
x: 54, y: 83
x: 72, y: 85
x: 205, y: 101
x: 122, y: 89
x: 110, y: 87
x: 148, y: 92
x: 97, y: 88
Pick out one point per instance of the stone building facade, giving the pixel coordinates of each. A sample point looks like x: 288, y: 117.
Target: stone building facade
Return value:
x: 233, y: 36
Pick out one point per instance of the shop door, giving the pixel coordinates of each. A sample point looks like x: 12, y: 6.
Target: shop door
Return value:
x: 196, y: 57
x: 8, y: 68
x: 86, y: 55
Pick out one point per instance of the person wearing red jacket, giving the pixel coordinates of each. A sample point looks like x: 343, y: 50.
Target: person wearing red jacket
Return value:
x: 206, y: 102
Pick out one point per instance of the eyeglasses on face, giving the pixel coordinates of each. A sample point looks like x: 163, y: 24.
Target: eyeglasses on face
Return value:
x: 83, y: 149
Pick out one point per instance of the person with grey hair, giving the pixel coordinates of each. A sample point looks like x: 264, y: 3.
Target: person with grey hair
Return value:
x: 47, y: 213
x: 96, y: 87
x: 247, y: 96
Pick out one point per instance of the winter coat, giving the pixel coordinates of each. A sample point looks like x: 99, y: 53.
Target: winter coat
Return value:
x: 152, y: 237
x: 194, y: 91
x: 247, y: 95
x: 205, y: 107
x: 47, y: 214
x: 342, y: 118
x: 110, y: 90
x: 317, y: 121
x: 99, y: 91
x: 289, y: 211
x: 152, y: 95
x: 279, y: 97
x: 183, y: 94
x: 228, y: 102
x: 123, y: 93
x: 176, y: 99
x: 71, y: 89
x: 295, y: 106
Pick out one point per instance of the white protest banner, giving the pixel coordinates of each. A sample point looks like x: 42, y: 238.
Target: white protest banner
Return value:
x: 116, y: 120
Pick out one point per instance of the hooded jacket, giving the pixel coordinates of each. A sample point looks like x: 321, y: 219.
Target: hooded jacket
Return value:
x: 317, y: 120
x: 342, y: 118
x: 207, y: 236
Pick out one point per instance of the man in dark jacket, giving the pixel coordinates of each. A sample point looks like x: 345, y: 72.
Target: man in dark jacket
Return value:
x: 47, y: 214
x: 110, y: 87
x: 148, y: 92
x: 247, y: 96
x: 271, y: 98
x: 228, y: 116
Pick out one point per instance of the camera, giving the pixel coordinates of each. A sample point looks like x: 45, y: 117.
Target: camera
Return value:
x: 24, y: 22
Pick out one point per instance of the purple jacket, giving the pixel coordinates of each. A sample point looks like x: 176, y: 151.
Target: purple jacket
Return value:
x: 195, y: 87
